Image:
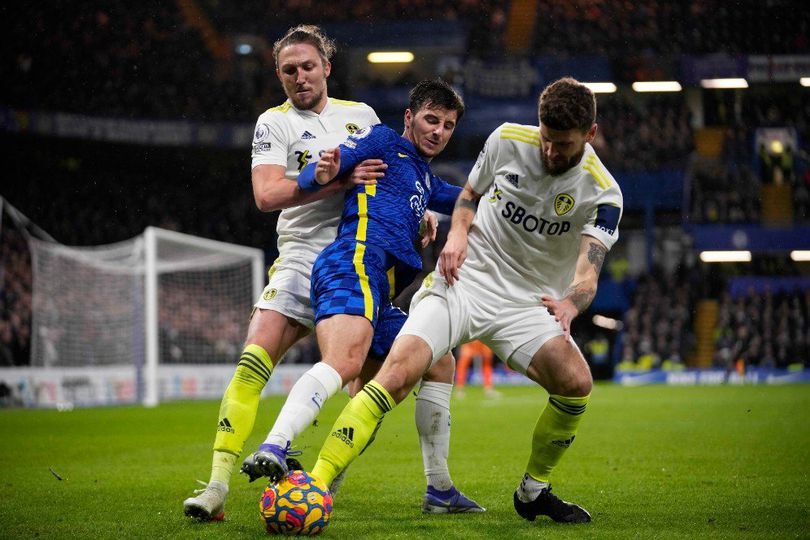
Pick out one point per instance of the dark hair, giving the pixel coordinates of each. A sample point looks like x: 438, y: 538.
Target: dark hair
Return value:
x: 435, y: 93
x: 306, y: 33
x: 567, y: 104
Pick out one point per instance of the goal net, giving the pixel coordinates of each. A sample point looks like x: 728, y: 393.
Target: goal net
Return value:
x: 160, y: 298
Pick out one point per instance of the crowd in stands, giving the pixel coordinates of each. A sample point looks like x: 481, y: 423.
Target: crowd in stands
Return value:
x: 763, y: 329
x: 643, y: 134
x: 100, y: 193
x: 15, y: 297
x: 728, y: 190
x: 659, y: 27
x: 658, y: 329
x: 145, y: 60
x: 114, y: 58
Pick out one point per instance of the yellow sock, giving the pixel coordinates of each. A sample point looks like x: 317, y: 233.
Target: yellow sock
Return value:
x: 554, y: 433
x: 222, y: 467
x: 237, y: 412
x: 352, y: 431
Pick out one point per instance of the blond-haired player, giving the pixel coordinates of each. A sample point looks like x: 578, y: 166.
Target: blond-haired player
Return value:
x: 286, y: 138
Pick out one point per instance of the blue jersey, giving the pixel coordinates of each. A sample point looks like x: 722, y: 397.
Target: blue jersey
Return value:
x: 387, y: 215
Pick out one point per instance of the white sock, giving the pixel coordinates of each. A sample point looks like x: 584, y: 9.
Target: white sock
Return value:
x: 304, y: 402
x: 529, y: 488
x: 433, y: 425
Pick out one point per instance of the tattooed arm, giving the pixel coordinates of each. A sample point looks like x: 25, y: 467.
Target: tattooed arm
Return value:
x: 455, y: 249
x: 579, y: 295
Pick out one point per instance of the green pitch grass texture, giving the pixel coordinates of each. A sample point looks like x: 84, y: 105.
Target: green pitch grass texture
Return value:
x: 648, y: 462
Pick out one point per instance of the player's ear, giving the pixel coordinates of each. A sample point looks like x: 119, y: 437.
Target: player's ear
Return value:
x: 408, y: 118
x: 327, y: 68
x: 589, y: 137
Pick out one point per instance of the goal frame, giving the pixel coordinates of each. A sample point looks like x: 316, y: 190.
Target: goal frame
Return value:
x: 152, y: 271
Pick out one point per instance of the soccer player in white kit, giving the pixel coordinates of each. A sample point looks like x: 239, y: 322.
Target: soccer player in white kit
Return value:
x: 288, y: 137
x: 527, y: 242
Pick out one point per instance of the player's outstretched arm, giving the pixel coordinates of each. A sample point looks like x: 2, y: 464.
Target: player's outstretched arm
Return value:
x: 273, y: 191
x: 581, y: 292
x: 455, y: 249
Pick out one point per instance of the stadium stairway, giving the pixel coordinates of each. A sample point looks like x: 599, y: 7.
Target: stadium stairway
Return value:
x: 520, y: 25
x: 777, y: 204
x: 705, y: 324
x: 709, y: 142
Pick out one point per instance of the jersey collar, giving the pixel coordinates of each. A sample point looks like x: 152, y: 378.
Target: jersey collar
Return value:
x: 312, y: 113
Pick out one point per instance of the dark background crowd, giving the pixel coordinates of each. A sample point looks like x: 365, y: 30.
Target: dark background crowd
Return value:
x: 159, y: 61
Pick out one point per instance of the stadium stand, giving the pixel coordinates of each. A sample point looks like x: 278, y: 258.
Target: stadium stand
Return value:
x: 690, y: 159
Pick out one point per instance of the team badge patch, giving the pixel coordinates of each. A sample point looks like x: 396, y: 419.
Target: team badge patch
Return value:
x: 269, y: 294
x: 262, y: 131
x: 563, y: 204
x: 361, y: 133
x: 351, y: 128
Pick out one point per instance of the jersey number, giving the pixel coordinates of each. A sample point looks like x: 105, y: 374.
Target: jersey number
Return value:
x: 303, y: 158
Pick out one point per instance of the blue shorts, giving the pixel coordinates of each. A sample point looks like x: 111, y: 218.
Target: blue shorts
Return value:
x: 351, y: 278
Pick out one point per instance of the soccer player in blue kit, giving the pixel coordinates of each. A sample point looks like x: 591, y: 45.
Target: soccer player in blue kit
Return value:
x: 372, y: 258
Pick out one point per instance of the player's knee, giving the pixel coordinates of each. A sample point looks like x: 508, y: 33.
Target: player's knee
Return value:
x: 578, y: 384
x: 348, y: 367
x: 399, y: 377
x: 442, y: 371
x: 581, y: 387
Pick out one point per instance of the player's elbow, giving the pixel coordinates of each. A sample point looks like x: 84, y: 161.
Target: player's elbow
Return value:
x: 266, y: 204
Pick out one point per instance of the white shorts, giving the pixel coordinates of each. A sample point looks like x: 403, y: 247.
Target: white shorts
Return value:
x: 447, y: 316
x: 287, y: 292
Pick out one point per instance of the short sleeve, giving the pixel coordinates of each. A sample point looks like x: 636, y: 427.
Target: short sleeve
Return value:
x: 603, y: 223
x: 483, y: 172
x: 270, y: 144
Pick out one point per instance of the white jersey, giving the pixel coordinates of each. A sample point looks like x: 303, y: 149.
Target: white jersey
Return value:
x: 525, y: 238
x: 293, y: 138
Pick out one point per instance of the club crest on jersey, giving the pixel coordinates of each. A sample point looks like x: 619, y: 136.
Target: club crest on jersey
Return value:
x: 352, y: 128
x: 563, y: 204
x: 269, y: 294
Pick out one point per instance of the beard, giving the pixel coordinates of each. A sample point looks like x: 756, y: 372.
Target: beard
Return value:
x: 306, y: 103
x: 559, y: 167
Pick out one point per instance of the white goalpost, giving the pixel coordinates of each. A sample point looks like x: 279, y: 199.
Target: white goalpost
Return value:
x: 161, y: 301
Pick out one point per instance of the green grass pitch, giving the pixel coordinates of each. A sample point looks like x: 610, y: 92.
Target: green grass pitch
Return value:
x: 648, y: 462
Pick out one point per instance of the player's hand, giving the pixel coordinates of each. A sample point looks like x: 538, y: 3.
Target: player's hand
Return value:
x: 428, y: 228
x: 328, y: 166
x: 367, y: 172
x: 564, y: 312
x: 453, y: 256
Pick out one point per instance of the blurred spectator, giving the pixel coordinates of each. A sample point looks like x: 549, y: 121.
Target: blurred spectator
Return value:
x: 658, y: 325
x: 619, y: 28
x: 15, y: 297
x: 763, y: 329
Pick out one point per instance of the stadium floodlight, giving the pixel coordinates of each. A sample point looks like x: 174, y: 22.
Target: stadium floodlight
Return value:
x: 607, y: 323
x: 161, y: 298
x: 657, y: 86
x: 800, y: 255
x: 724, y: 83
x: 804, y: 81
x: 601, y: 87
x: 390, y: 57
x: 725, y: 256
